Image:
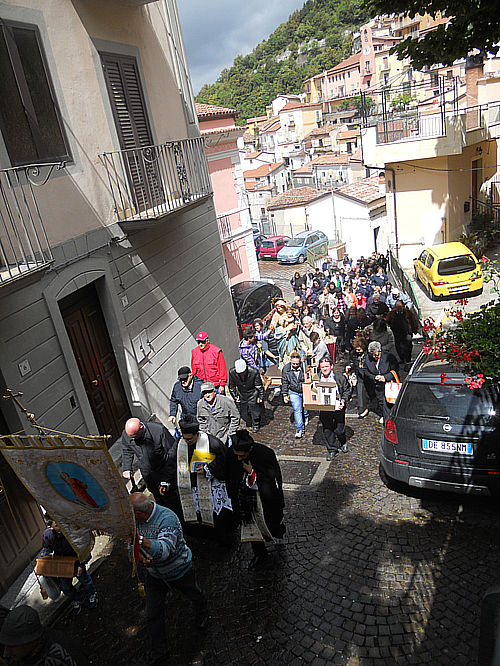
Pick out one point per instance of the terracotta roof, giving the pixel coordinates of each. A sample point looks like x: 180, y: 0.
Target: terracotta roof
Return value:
x: 272, y: 125
x: 257, y: 119
x: 351, y: 134
x: 298, y: 105
x: 262, y: 171
x: 322, y: 131
x: 297, y: 196
x: 365, y: 190
x: 348, y: 63
x: 248, y: 136
x: 252, y: 156
x: 212, y: 111
x: 307, y: 168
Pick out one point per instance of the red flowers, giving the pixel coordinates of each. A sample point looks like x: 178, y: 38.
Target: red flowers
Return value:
x: 475, y: 382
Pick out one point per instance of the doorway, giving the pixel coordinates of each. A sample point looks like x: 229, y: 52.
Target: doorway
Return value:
x: 477, y: 169
x: 86, y: 328
x: 21, y: 521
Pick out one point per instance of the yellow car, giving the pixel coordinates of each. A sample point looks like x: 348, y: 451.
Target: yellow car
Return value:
x: 449, y: 269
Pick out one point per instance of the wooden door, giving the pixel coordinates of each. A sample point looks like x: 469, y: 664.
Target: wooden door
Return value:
x: 94, y: 354
x: 476, y: 182
x: 142, y: 167
x: 21, y: 522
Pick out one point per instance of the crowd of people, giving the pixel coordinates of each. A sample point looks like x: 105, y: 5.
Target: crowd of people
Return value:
x: 346, y: 321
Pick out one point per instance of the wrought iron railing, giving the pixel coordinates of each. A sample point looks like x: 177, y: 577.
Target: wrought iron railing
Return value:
x: 404, y: 283
x: 225, y: 229
x: 24, y: 246
x: 150, y: 182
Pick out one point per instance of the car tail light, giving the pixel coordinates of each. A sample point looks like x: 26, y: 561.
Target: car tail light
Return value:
x: 390, y: 432
x: 440, y: 283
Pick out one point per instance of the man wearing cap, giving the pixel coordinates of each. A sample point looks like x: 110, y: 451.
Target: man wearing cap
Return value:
x: 150, y: 442
x: 397, y: 295
x: 27, y: 642
x: 185, y: 394
x: 217, y: 414
x: 207, y: 362
x: 245, y: 387
x: 169, y: 564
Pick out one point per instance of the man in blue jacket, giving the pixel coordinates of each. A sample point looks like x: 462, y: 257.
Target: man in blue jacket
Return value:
x: 169, y: 564
x: 185, y: 394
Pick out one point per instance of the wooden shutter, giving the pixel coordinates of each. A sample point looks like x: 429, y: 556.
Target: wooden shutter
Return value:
x: 134, y: 131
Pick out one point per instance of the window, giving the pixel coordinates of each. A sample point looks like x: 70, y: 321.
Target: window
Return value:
x: 29, y: 117
x: 367, y: 66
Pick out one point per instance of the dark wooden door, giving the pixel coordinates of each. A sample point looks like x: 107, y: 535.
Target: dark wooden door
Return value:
x: 94, y: 354
x: 141, y: 160
x: 21, y: 522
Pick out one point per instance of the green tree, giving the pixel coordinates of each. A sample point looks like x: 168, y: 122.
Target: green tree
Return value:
x: 473, y: 25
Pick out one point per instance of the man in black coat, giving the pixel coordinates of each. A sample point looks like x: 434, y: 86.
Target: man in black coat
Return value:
x: 185, y: 394
x: 150, y: 442
x: 252, y: 469
x: 379, y: 366
x: 333, y: 422
x: 246, y: 389
x: 377, y: 308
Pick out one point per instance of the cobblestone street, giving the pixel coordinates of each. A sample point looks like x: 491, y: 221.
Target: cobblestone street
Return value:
x: 365, y: 576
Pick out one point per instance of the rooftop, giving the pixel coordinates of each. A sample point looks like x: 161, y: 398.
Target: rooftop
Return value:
x: 365, y: 191
x: 262, y: 171
x: 297, y: 196
x: 212, y: 111
x: 348, y: 63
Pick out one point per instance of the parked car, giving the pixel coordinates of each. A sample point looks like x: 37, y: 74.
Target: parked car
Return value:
x: 443, y: 436
x: 449, y: 269
x: 253, y: 300
x: 295, y: 249
x: 271, y: 245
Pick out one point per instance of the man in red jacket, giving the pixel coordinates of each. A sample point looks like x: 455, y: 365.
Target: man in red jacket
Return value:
x: 207, y: 362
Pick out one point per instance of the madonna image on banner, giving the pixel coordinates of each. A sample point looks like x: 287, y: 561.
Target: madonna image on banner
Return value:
x: 76, y: 484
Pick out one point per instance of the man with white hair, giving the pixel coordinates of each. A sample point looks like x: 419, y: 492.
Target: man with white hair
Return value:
x: 308, y: 327
x: 246, y: 389
x: 398, y: 295
x: 379, y: 368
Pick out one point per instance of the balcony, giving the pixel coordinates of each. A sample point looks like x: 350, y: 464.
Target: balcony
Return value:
x: 24, y: 246
x: 149, y: 183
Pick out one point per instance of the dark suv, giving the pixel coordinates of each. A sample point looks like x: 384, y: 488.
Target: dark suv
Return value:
x: 443, y: 436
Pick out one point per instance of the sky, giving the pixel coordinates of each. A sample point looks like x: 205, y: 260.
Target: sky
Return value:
x: 216, y: 31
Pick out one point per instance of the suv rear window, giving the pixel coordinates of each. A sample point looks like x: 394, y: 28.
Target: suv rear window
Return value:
x: 453, y: 265
x: 453, y: 403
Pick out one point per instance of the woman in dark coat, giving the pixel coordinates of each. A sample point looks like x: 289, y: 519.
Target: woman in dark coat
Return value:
x: 298, y: 283
x: 253, y: 478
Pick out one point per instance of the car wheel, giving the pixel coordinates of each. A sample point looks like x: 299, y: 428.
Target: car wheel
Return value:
x: 430, y: 293
x: 416, y: 275
x: 388, y: 481
x: 301, y: 259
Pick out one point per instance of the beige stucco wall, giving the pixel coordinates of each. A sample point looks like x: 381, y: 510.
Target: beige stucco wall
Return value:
x: 78, y: 199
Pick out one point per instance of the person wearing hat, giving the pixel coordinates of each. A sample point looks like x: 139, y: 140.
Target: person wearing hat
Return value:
x: 27, y: 642
x: 185, y: 394
x: 217, y: 414
x: 195, y: 474
x: 379, y: 366
x: 245, y: 387
x: 150, y: 443
x: 397, y: 295
x: 207, y: 362
x: 255, y: 486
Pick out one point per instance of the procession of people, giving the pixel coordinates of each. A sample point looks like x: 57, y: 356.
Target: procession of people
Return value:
x: 350, y: 330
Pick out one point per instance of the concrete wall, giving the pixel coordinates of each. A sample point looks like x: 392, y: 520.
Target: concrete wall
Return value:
x: 174, y: 284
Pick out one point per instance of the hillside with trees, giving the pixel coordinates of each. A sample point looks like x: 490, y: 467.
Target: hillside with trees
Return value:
x: 315, y: 38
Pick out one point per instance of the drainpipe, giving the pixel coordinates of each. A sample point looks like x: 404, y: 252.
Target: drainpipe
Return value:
x: 367, y: 166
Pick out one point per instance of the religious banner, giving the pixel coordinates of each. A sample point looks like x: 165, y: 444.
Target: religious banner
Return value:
x: 75, y: 480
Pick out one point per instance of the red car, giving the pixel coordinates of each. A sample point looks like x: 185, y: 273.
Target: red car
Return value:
x: 270, y: 246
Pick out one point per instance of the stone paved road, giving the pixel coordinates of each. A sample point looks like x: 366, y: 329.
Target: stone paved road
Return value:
x: 366, y: 576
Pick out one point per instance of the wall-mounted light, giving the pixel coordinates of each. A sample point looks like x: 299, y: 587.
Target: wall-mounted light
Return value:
x: 479, y: 150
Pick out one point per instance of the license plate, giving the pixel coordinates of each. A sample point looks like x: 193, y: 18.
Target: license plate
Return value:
x: 438, y: 446
x: 464, y: 287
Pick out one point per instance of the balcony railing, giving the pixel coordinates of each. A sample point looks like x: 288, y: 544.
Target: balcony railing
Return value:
x: 150, y: 182
x: 24, y: 246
